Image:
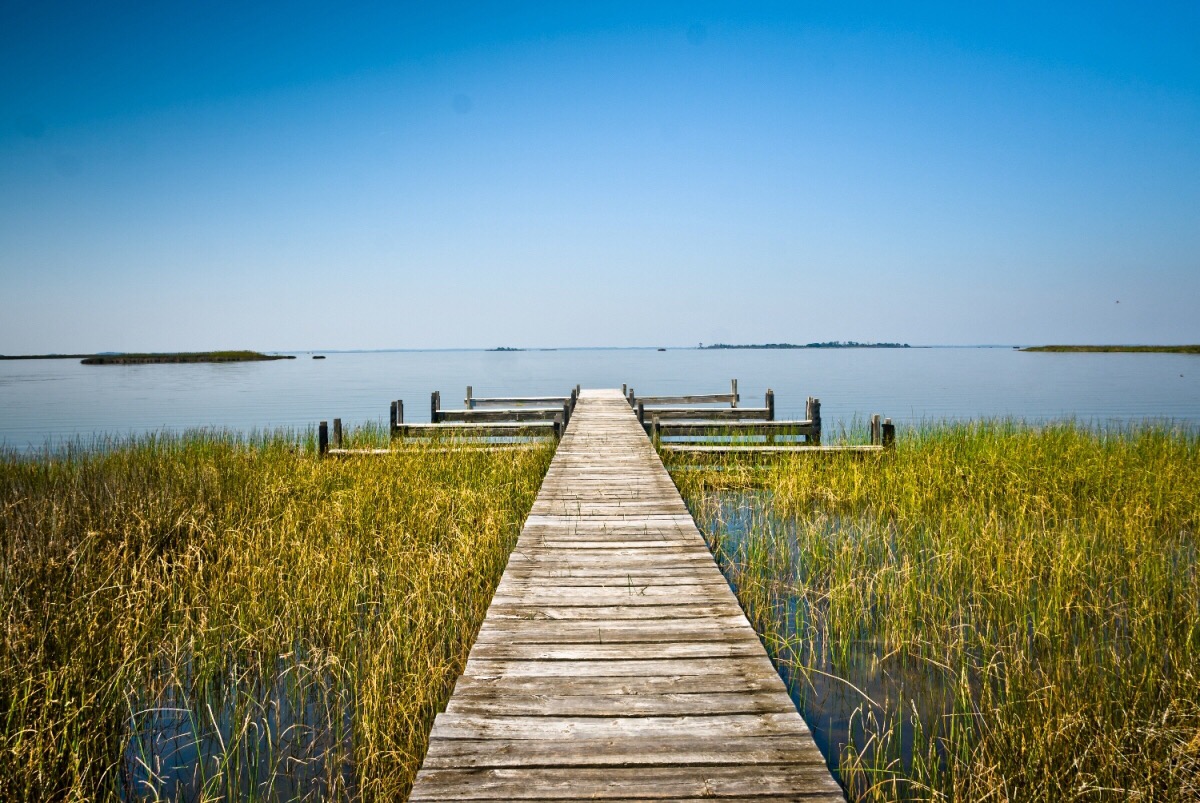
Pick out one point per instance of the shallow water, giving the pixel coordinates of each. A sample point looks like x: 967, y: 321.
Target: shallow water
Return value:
x: 845, y: 692
x: 47, y: 401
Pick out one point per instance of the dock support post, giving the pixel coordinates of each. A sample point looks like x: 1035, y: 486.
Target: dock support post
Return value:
x: 654, y: 429
x: 632, y: 398
x: 469, y: 400
x: 337, y: 433
x: 566, y: 416
x: 641, y: 413
x: 734, y: 402
x: 558, y: 427
x: 435, y: 404
x: 392, y: 419
x: 814, y: 415
x: 624, y: 390
x: 876, y: 433
x: 770, y: 405
x: 888, y: 438
x: 322, y: 438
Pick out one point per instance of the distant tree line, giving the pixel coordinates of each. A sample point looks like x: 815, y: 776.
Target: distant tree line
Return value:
x: 829, y: 344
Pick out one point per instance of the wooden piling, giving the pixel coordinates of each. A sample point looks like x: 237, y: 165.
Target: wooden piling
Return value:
x: 770, y: 405
x: 435, y: 405
x: 733, y: 391
x: 814, y: 415
x: 322, y: 438
x: 337, y: 433
x: 888, y: 438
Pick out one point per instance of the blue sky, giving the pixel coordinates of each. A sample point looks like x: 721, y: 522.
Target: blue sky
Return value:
x: 204, y: 175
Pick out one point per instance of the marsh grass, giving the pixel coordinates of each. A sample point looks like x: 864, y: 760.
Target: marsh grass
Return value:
x: 216, y: 616
x: 993, y: 611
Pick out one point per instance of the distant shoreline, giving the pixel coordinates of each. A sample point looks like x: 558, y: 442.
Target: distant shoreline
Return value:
x: 1116, y: 349
x: 832, y: 344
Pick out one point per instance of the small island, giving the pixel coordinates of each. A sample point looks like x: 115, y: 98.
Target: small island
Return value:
x: 510, y: 348
x: 1117, y: 349
x: 831, y: 344
x: 181, y: 357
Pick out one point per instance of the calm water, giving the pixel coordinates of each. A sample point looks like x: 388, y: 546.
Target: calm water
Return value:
x: 49, y: 400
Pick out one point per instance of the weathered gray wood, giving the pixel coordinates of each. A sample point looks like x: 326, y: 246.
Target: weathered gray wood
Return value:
x: 515, y: 401
x: 749, y: 450
x: 461, y: 429
x: 505, y: 414
x: 778, y: 781
x: 614, y: 661
x: 337, y: 433
x: 668, y: 429
x: 704, y: 398
x: 709, y: 413
x: 813, y: 413
x: 322, y: 437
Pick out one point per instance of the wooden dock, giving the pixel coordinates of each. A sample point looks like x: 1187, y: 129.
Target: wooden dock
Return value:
x: 615, y: 662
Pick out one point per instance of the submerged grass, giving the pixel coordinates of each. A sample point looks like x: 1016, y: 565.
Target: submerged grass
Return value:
x: 212, y: 616
x: 1014, y: 610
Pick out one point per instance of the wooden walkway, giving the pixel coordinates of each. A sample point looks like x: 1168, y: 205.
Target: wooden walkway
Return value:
x: 614, y: 662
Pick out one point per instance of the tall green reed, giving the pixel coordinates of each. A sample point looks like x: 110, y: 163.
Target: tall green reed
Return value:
x: 1044, y: 581
x: 240, y: 608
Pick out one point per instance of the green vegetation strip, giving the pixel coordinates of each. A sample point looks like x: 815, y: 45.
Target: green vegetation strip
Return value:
x: 1023, y: 603
x: 297, y: 622
x: 1122, y: 349
x: 186, y: 356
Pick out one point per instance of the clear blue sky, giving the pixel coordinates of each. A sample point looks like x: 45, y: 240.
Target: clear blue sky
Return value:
x: 206, y: 175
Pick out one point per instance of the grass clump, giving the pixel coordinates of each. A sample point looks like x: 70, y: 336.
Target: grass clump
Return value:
x: 1005, y: 612
x: 214, y: 616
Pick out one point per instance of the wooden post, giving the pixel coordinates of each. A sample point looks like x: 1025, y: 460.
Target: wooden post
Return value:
x: 399, y: 411
x: 734, y: 403
x: 558, y: 427
x: 654, y: 429
x: 770, y: 405
x: 632, y: 398
x: 641, y: 411
x: 814, y: 415
x: 888, y: 438
x: 470, y: 401
x: 322, y: 438
x: 435, y: 404
x: 875, y: 432
x: 337, y: 433
x: 624, y: 390
x: 574, y: 397
x: 392, y: 419
x: 566, y: 413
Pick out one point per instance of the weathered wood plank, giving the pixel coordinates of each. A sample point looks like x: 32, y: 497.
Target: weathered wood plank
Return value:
x: 750, y: 450
x: 614, y: 783
x: 699, y: 748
